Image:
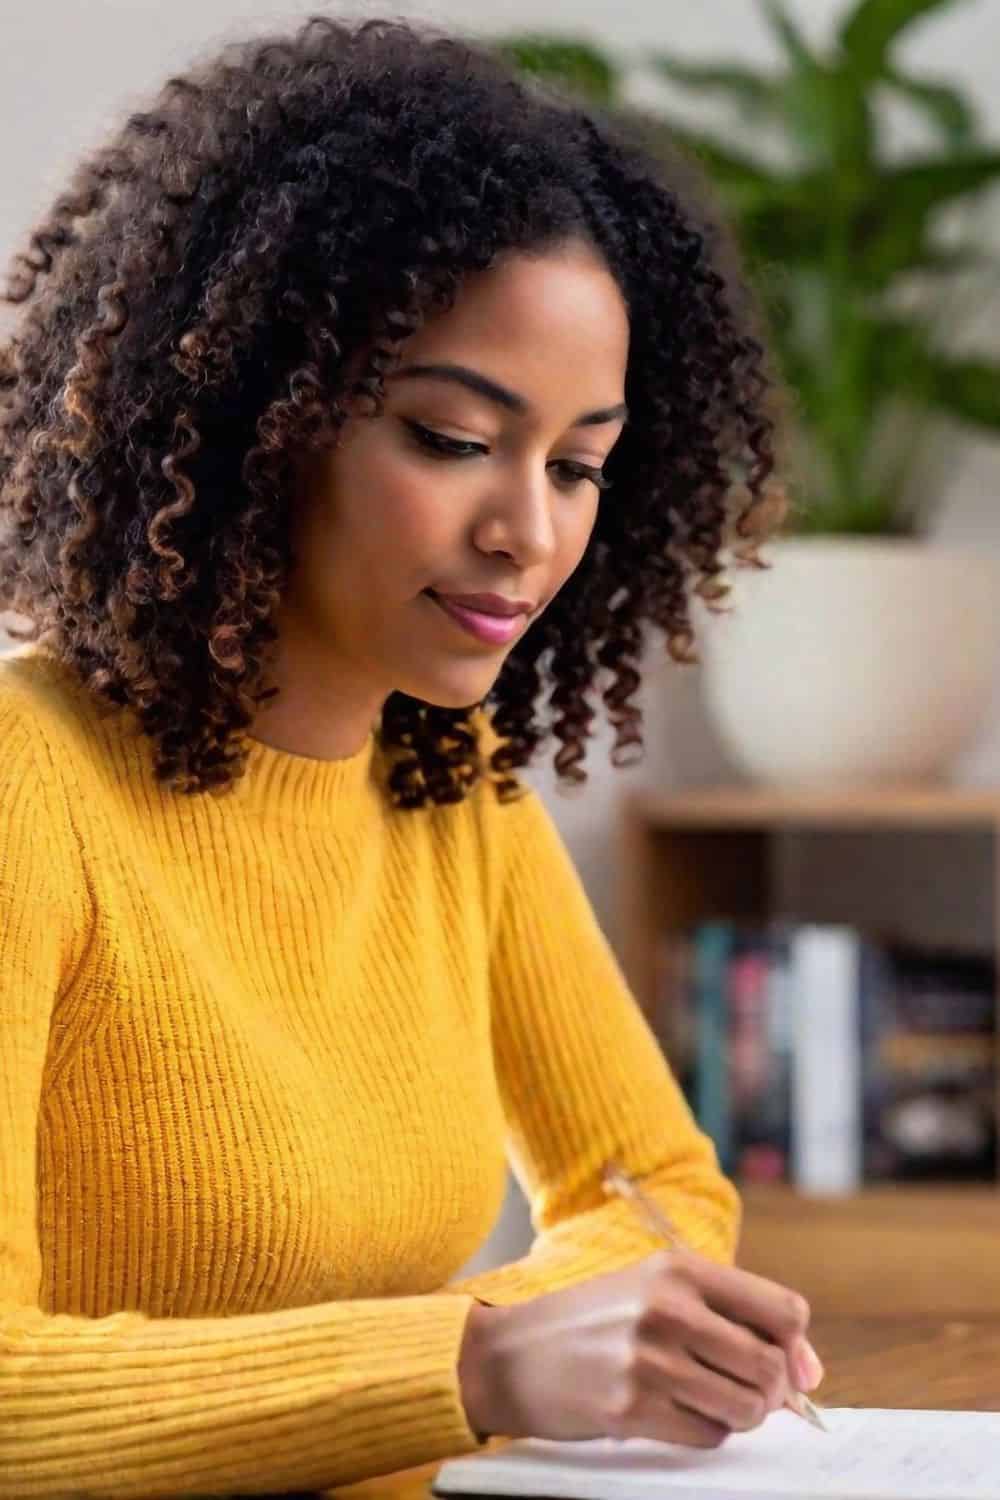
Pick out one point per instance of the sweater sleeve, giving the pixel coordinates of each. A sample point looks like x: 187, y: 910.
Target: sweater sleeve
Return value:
x: 583, y: 1080
x: 128, y: 1405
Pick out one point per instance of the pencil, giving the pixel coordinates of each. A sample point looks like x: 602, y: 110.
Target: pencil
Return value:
x: 617, y: 1180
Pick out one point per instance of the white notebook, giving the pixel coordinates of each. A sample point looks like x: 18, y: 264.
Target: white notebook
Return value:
x: 866, y: 1455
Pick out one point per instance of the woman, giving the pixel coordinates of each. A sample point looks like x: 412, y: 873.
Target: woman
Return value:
x: 363, y: 408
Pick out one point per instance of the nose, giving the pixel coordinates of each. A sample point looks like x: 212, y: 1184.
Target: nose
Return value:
x: 519, y: 524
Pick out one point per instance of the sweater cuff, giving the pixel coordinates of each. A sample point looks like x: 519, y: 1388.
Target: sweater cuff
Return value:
x: 319, y: 1395
x: 603, y: 1239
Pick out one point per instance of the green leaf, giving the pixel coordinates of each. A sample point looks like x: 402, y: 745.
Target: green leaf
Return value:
x: 732, y: 173
x: 947, y: 260
x: 829, y: 116
x: 905, y: 361
x: 784, y: 228
x: 579, y: 66
x: 968, y: 389
x: 826, y: 113
x: 900, y: 356
x: 887, y: 218
x: 788, y: 33
x: 869, y: 32
x: 917, y: 186
x: 892, y: 225
x: 751, y: 91
x: 948, y: 111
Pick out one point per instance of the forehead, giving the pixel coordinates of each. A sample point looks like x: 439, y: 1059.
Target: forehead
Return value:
x: 548, y: 326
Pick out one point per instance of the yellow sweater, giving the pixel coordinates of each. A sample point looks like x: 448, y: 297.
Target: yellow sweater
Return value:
x: 261, y: 1057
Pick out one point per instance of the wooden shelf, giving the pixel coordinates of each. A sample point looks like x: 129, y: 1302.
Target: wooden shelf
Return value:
x: 865, y: 807
x: 710, y: 852
x: 684, y: 857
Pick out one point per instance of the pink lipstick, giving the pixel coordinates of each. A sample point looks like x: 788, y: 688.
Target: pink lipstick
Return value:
x: 495, y: 621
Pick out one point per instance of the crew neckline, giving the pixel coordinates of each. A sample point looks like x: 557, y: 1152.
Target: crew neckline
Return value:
x: 302, y: 787
x: 275, y: 783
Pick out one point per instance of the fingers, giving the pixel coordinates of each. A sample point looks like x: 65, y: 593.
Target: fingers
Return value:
x: 666, y: 1421
x: 675, y: 1398
x: 738, y: 1323
x: 735, y: 1351
x: 806, y: 1365
x: 738, y: 1407
x: 775, y: 1311
x: 689, y: 1428
x: 717, y: 1369
x: 714, y: 1397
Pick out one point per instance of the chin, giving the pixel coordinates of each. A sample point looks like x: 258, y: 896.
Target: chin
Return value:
x: 461, y: 690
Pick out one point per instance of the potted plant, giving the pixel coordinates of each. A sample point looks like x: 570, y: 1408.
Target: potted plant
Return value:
x: 867, y: 650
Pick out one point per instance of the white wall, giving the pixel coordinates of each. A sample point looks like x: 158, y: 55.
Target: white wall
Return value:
x: 67, y: 70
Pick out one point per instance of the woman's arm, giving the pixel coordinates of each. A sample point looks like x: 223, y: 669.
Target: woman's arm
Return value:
x: 583, y: 1080
x: 128, y: 1405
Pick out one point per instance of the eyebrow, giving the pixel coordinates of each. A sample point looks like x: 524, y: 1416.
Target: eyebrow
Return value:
x: 481, y: 385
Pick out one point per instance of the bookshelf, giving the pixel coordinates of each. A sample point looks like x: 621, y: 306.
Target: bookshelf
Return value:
x: 687, y: 856
x: 690, y: 856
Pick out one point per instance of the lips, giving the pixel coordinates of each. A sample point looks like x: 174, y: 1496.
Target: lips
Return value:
x: 495, y: 624
x: 486, y: 604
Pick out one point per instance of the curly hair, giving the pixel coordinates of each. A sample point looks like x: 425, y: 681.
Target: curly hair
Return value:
x: 285, y: 213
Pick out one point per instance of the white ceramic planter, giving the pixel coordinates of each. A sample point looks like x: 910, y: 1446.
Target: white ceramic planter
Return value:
x: 854, y: 660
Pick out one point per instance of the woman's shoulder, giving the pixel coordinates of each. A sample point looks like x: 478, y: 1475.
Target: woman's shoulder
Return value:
x: 42, y: 795
x: 42, y: 713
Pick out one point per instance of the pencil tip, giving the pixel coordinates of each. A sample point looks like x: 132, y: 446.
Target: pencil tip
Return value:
x: 799, y: 1403
x: 812, y: 1415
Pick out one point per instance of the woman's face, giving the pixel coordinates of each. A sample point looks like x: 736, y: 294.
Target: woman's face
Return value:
x: 433, y: 534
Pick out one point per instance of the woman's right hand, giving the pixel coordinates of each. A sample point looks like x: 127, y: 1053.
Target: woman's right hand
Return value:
x: 675, y: 1348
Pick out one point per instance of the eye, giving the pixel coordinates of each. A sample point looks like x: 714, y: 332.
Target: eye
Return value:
x: 440, y: 445
x: 573, y: 474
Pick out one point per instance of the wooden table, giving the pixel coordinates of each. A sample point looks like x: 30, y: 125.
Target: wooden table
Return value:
x: 893, y: 1251
x: 914, y: 1362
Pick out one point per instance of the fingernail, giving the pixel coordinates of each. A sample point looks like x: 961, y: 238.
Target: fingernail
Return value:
x: 808, y: 1368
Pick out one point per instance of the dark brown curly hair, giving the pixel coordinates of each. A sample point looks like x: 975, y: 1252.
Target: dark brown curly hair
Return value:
x: 192, y: 305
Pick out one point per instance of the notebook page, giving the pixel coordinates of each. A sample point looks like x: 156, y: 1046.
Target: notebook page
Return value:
x: 867, y: 1455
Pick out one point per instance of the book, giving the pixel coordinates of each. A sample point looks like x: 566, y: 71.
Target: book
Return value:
x: 758, y: 1044
x: 820, y: 1055
x: 937, y: 1057
x: 826, y: 1070
x: 713, y: 946
x: 866, y: 1455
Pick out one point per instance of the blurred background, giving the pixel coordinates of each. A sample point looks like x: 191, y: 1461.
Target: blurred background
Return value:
x: 838, y: 749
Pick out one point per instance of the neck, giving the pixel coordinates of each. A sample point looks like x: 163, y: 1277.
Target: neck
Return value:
x: 321, y: 709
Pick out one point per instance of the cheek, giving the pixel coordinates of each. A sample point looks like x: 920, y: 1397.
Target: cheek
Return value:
x: 387, y: 509
x: 573, y: 537
x: 414, y: 501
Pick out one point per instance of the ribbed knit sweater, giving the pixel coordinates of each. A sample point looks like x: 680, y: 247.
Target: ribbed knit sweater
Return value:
x: 263, y: 1056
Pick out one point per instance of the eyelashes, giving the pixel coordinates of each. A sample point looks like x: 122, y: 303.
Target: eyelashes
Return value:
x: 584, y: 471
x: 440, y: 446
x: 446, y: 447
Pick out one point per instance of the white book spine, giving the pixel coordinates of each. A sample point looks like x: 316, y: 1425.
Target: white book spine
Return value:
x: 826, y: 1058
